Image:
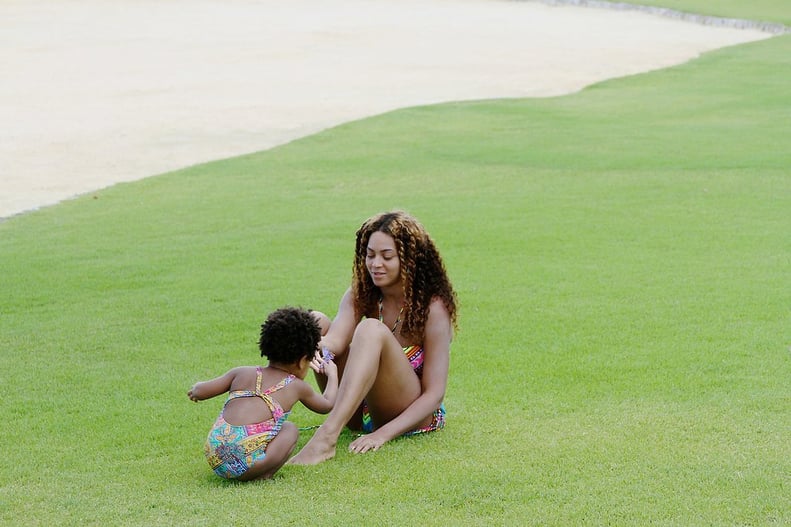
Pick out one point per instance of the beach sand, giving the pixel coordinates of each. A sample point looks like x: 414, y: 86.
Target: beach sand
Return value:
x: 96, y: 92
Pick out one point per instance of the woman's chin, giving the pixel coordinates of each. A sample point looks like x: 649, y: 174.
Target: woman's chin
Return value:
x: 381, y: 282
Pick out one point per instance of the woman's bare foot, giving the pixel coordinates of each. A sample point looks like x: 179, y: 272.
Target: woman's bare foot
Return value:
x: 315, y: 451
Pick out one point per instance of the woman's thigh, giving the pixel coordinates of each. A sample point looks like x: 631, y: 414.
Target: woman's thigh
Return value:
x: 396, y: 384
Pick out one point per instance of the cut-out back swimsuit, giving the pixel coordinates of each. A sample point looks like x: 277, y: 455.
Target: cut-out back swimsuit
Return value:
x: 232, y: 449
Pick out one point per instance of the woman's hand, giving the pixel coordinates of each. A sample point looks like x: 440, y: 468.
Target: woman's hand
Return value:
x: 367, y: 443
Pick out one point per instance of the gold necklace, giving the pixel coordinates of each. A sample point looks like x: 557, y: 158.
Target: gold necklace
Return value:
x: 398, y: 319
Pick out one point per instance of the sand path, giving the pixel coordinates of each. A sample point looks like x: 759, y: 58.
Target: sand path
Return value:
x: 96, y: 92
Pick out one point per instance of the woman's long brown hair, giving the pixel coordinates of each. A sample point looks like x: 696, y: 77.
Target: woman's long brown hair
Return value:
x: 423, y: 273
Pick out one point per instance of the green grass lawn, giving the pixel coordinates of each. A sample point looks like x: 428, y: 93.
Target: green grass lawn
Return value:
x: 778, y: 11
x: 622, y: 261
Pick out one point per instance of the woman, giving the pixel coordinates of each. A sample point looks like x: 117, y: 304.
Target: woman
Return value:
x: 391, y: 339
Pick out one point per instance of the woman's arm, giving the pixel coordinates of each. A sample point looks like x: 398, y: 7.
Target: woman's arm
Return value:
x: 208, y: 389
x: 436, y: 362
x: 341, y: 330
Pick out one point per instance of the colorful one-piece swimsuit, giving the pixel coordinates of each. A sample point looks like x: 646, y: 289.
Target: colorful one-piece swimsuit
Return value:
x: 415, y: 356
x: 232, y: 449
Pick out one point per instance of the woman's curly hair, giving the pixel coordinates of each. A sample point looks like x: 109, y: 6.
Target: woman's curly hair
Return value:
x: 423, y: 274
x: 288, y: 334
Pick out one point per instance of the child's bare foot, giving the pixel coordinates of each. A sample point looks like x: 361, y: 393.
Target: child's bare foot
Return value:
x: 317, y: 450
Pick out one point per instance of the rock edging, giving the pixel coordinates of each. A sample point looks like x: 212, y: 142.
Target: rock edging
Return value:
x: 736, y: 23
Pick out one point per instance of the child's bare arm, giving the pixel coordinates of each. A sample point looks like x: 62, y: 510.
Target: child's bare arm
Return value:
x: 208, y: 389
x: 322, y: 403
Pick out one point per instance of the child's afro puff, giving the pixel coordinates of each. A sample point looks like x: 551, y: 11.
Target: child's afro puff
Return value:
x: 289, y: 334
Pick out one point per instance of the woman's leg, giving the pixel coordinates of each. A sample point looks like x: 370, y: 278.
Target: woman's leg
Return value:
x: 323, y: 320
x: 277, y: 453
x: 355, y: 422
x: 376, y: 365
x: 324, y: 323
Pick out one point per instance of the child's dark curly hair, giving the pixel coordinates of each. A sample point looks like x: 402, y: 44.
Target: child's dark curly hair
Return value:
x: 422, y: 272
x: 289, y: 334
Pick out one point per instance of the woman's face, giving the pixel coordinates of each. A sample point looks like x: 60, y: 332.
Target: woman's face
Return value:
x: 382, y: 260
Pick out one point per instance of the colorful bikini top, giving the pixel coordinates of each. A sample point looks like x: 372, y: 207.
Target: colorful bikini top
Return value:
x: 415, y: 356
x: 413, y: 353
x: 274, y: 406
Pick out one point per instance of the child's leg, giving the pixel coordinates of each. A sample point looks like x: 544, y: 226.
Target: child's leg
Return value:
x: 277, y: 453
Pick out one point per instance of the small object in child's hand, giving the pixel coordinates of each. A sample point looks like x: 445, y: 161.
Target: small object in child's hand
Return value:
x: 326, y: 354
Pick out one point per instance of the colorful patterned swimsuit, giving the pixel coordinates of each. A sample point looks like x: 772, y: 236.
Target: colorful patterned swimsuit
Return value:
x: 415, y: 356
x: 232, y: 449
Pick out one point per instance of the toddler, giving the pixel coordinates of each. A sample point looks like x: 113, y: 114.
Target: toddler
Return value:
x: 251, y: 438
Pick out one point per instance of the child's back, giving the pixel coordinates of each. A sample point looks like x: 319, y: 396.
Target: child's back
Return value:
x: 250, y: 392
x: 251, y: 438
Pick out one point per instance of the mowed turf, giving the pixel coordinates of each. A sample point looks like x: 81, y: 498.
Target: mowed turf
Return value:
x: 776, y: 11
x: 621, y: 257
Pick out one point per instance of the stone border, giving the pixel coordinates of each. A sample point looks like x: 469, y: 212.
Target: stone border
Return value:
x: 735, y: 23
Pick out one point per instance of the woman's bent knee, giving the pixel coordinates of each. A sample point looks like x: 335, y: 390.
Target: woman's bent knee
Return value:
x: 323, y: 321
x: 371, y: 326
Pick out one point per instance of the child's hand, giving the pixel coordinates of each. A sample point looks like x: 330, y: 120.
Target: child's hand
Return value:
x: 330, y: 369
x: 197, y: 392
x: 319, y: 364
x: 326, y: 354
